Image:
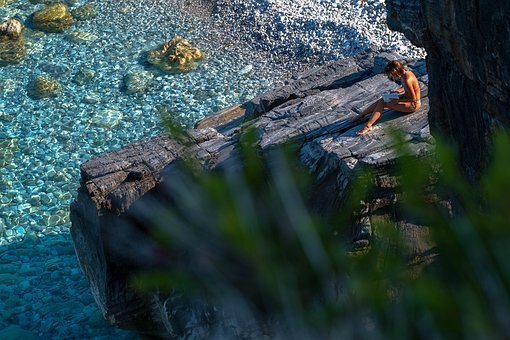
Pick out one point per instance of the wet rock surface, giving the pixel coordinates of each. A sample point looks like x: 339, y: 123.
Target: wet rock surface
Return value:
x: 311, y: 112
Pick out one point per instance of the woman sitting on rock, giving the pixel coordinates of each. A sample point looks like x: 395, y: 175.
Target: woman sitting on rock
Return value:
x: 408, y: 96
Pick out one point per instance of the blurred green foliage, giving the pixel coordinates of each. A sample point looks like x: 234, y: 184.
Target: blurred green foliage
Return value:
x: 252, y: 246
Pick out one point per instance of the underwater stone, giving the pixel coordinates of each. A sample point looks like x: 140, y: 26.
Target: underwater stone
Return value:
x: 81, y: 37
x: 7, y: 148
x: 44, y: 87
x: 53, y: 18
x: 11, y: 29
x: 54, y: 70
x: 177, y: 55
x: 34, y: 35
x: 12, y: 44
x: 137, y: 82
x: 107, y: 118
x: 92, y: 98
x: 85, y: 12
x: 84, y: 76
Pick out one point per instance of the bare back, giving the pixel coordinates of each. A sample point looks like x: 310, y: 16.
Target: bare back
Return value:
x: 411, y: 87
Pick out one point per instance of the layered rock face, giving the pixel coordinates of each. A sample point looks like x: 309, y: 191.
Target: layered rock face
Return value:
x: 110, y: 215
x: 468, y: 64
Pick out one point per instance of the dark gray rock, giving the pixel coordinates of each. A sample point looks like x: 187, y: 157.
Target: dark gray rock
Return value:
x: 311, y: 112
x: 468, y: 63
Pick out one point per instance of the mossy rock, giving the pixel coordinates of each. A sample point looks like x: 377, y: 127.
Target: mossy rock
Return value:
x: 177, y: 55
x: 84, y: 12
x: 53, y: 18
x: 44, y: 87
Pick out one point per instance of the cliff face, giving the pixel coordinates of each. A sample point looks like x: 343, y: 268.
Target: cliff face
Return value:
x: 468, y: 64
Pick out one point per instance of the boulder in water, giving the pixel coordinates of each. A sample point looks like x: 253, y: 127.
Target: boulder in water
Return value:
x: 44, y: 87
x: 137, y: 82
x: 53, y: 18
x: 84, y: 76
x: 11, y: 29
x: 85, y: 12
x: 177, y: 55
x: 12, y: 44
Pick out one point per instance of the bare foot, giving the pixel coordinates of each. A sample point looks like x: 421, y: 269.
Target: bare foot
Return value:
x: 364, y: 131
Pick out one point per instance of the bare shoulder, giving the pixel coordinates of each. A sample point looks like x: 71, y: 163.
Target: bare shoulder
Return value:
x: 411, y: 75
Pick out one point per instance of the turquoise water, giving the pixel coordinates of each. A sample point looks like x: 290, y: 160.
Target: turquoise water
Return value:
x: 43, y: 142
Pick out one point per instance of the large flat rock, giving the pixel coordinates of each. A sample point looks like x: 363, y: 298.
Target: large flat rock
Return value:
x: 311, y: 112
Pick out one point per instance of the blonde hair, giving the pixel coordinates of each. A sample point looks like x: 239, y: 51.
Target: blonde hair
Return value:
x: 394, y: 68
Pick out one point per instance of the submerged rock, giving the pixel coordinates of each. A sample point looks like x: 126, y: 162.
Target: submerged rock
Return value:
x: 177, y: 55
x: 12, y: 44
x: 11, y: 29
x: 107, y: 118
x: 8, y: 147
x: 81, y: 37
x: 12, y: 52
x: 53, y: 18
x: 92, y: 98
x: 137, y: 82
x: 84, y: 76
x: 44, y: 87
x: 85, y: 12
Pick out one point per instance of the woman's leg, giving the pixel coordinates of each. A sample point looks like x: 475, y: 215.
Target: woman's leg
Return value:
x: 406, y: 107
x: 377, y: 113
x: 367, y: 111
x: 379, y: 107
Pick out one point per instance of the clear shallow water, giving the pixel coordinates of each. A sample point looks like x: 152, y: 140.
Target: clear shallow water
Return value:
x: 43, y: 142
